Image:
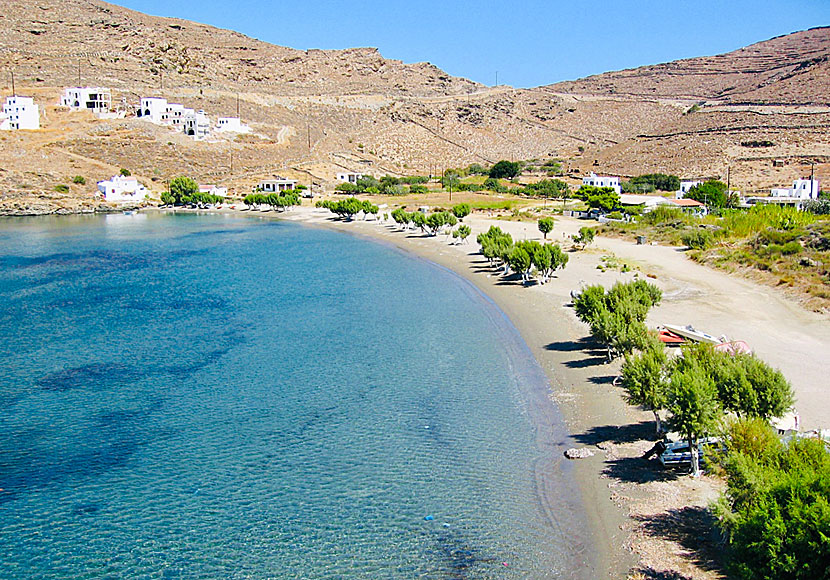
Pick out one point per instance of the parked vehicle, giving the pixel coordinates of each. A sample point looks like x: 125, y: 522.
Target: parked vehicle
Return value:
x: 677, y: 452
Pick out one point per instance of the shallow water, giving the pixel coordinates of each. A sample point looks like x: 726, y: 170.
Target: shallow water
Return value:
x: 214, y: 397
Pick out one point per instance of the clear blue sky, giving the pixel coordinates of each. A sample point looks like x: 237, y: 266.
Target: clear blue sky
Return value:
x: 529, y: 43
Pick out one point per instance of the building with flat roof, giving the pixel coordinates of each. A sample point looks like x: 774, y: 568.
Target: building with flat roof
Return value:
x: 123, y: 189
x: 602, y: 181
x: 20, y: 113
x: 231, y: 125
x: 95, y: 99
x: 277, y: 184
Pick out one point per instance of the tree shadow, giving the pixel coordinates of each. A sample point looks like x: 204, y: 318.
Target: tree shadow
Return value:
x: 584, y: 343
x: 587, y: 362
x: 639, y: 470
x: 649, y: 573
x: 692, y: 527
x: 606, y: 380
x: 628, y: 433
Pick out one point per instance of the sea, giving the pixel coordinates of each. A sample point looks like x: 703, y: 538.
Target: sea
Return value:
x: 217, y: 397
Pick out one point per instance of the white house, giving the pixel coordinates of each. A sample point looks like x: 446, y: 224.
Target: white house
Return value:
x: 349, y: 177
x: 121, y: 189
x: 214, y: 190
x: 196, y: 124
x: 175, y: 114
x: 20, y: 113
x: 95, y: 99
x: 802, y: 189
x: 602, y: 181
x: 276, y: 185
x: 685, y: 186
x: 153, y: 109
x: 231, y: 125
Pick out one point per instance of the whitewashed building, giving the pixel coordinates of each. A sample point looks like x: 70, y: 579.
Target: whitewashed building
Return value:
x: 685, y: 186
x: 153, y: 109
x: 95, y: 99
x: 175, y: 114
x: 802, y: 189
x: 602, y: 181
x: 121, y: 189
x: 276, y: 185
x: 196, y: 124
x: 231, y: 125
x: 214, y: 190
x: 345, y: 177
x: 20, y: 113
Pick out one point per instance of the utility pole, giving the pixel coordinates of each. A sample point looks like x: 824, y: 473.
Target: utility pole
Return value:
x: 812, y: 177
x: 237, y: 104
x: 14, y: 93
x: 497, y: 78
x: 308, y: 135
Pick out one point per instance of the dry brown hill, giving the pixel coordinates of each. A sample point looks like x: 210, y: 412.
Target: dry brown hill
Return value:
x: 792, y: 69
x: 317, y: 112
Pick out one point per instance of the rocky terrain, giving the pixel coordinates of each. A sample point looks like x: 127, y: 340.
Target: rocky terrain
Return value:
x: 320, y: 111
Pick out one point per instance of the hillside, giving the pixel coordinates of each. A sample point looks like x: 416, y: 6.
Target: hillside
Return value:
x: 791, y: 70
x: 320, y: 111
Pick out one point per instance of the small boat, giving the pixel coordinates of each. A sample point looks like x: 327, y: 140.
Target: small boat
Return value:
x: 692, y: 333
x: 668, y: 337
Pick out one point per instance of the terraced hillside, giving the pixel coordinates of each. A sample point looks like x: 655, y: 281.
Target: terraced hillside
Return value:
x: 317, y: 112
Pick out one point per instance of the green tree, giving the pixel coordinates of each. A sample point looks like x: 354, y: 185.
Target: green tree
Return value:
x: 645, y: 380
x: 693, y: 403
x: 545, y: 226
x: 461, y: 210
x: 505, y: 170
x: 167, y: 198
x: 585, y: 236
x: 182, y: 189
x: 495, y: 244
x: 712, y: 193
x: 519, y: 260
x: 462, y: 232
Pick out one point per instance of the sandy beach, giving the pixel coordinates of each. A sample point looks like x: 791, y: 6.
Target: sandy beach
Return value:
x: 641, y: 518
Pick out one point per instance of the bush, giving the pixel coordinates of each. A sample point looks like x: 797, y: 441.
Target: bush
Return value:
x: 79, y: 179
x: 698, y: 239
x: 125, y: 172
x: 776, y: 512
x: 417, y: 188
x: 61, y: 188
x: 615, y: 215
x: 505, y: 170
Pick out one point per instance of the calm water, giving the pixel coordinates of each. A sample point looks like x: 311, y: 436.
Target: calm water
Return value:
x: 210, y: 397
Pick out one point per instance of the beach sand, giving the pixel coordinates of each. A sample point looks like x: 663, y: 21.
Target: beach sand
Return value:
x: 640, y: 516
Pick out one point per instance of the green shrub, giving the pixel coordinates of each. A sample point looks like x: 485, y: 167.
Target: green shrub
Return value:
x: 79, y: 179
x: 125, y: 172
x: 698, y: 239
x: 61, y: 188
x: 615, y: 215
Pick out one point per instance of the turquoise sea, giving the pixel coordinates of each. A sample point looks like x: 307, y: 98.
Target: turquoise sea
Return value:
x: 199, y: 396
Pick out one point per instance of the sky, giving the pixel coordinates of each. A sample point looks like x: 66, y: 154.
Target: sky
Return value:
x: 524, y: 44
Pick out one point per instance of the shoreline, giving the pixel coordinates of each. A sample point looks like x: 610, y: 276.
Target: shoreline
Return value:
x: 622, y: 496
x: 606, y: 522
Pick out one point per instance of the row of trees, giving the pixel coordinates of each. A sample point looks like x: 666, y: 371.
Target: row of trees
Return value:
x: 348, y: 208
x: 651, y: 182
x: 526, y: 257
x: 279, y: 201
x: 433, y: 223
x: 386, y: 185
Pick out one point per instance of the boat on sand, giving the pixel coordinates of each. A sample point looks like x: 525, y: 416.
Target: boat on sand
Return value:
x: 691, y: 333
